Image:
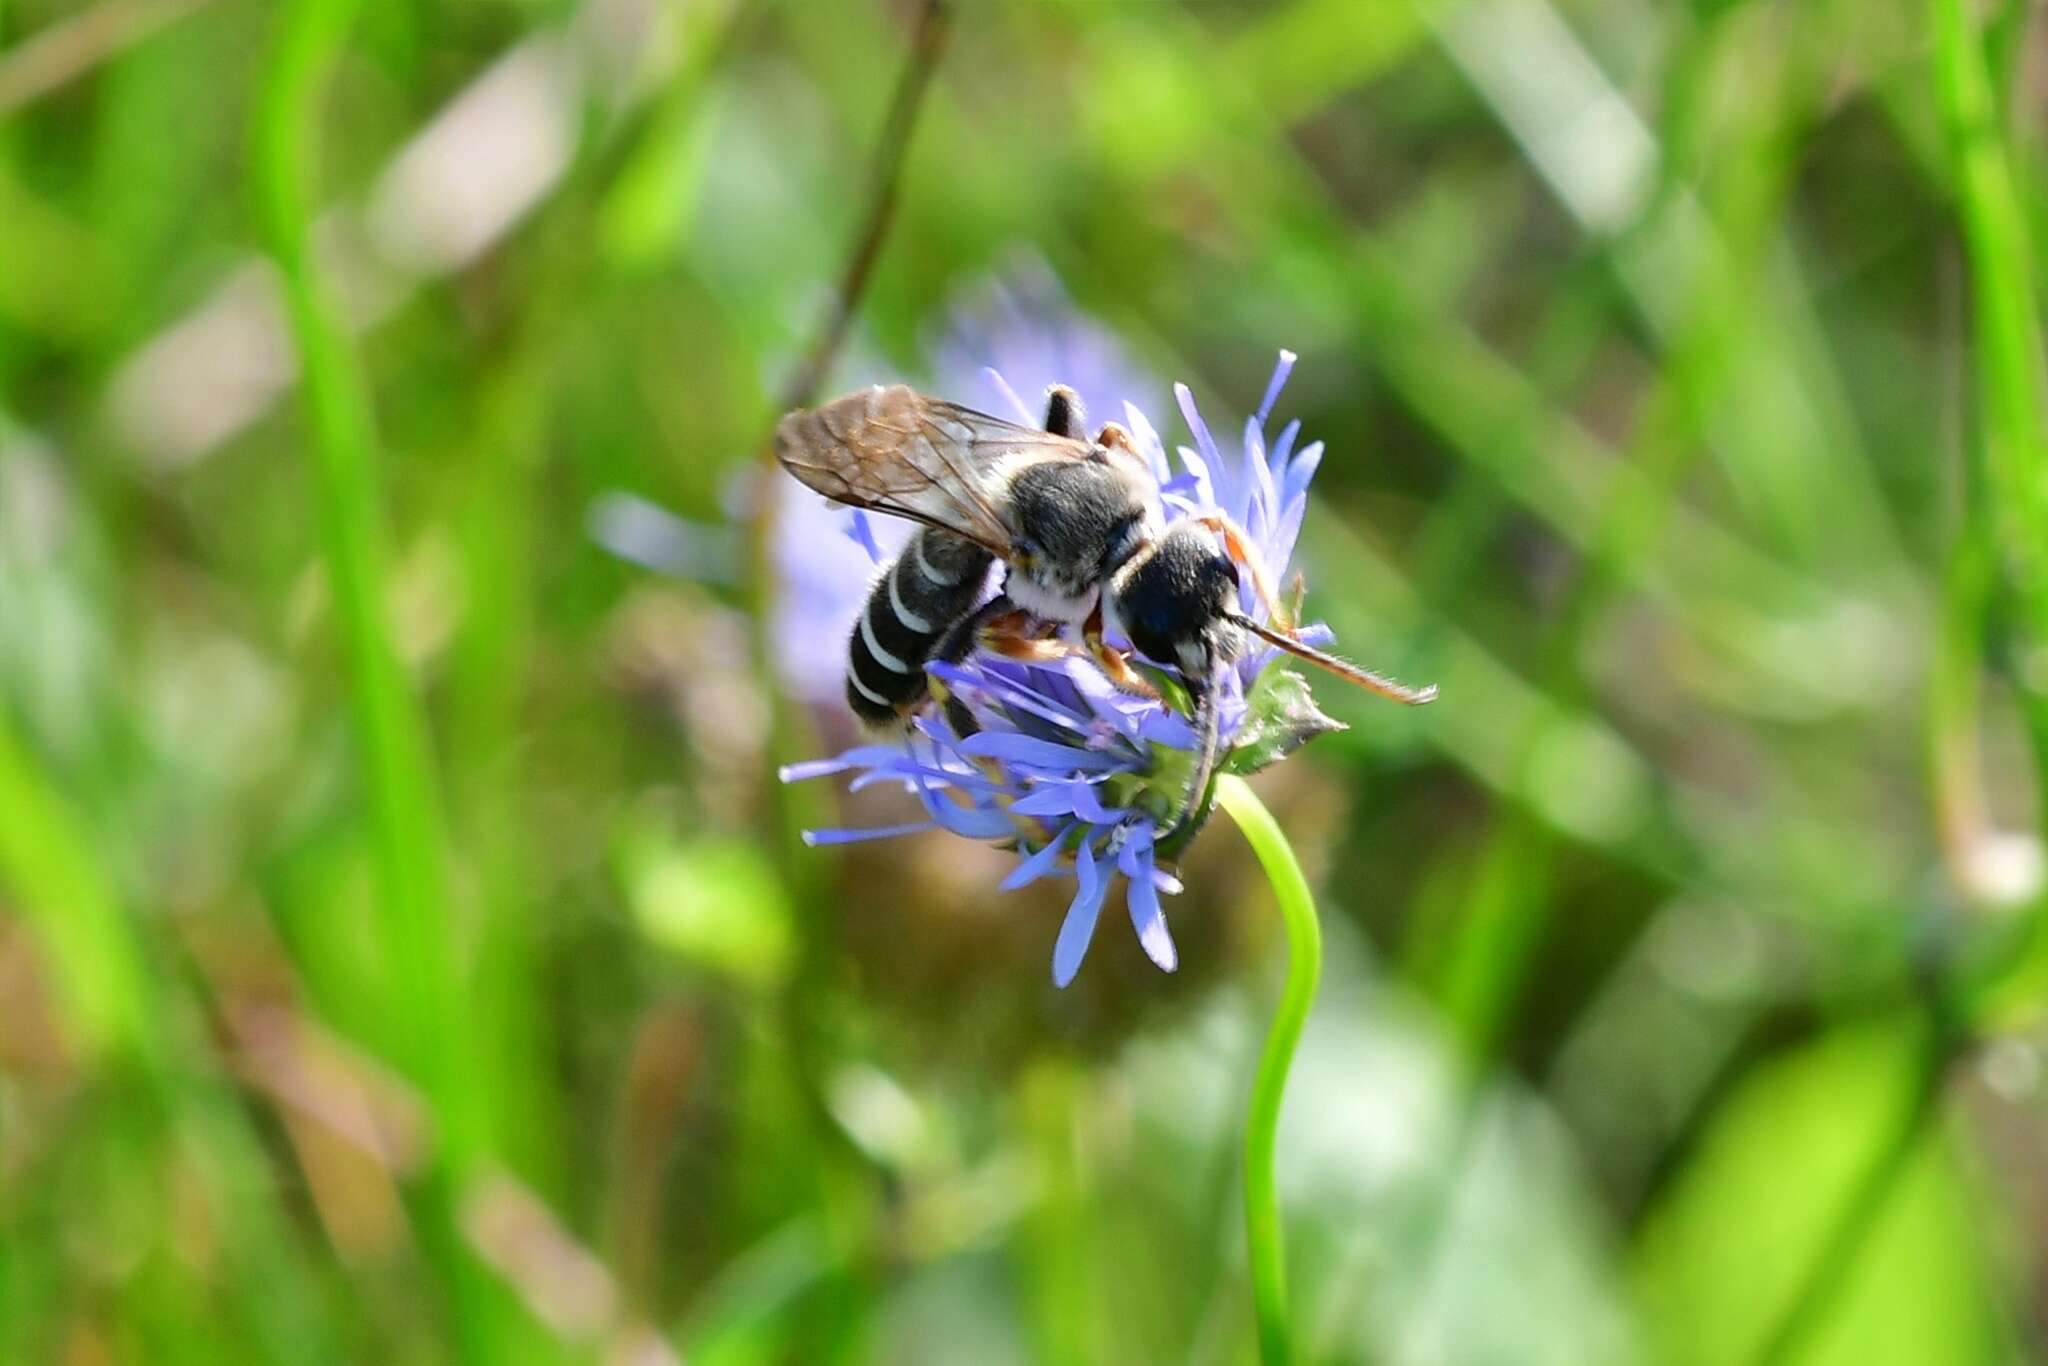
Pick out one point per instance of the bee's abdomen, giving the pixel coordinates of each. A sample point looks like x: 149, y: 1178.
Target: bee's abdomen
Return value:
x: 935, y: 581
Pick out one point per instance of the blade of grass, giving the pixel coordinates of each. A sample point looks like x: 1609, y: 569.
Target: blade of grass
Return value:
x: 398, y: 783
x: 414, y: 925
x: 2006, y: 338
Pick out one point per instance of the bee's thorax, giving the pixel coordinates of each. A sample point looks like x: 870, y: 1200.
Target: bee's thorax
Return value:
x: 1075, y: 523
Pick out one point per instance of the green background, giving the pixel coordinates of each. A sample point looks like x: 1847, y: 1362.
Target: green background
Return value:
x: 405, y: 954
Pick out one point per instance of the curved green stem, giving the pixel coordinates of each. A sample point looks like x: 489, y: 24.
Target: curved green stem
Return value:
x: 1264, y: 1236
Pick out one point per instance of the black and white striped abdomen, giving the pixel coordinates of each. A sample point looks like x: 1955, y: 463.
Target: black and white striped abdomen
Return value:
x: 935, y: 581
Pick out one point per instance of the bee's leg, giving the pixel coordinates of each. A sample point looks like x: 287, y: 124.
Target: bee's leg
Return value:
x: 1001, y: 627
x: 1111, y: 660
x: 1018, y: 637
x: 956, y: 643
x: 1239, y: 547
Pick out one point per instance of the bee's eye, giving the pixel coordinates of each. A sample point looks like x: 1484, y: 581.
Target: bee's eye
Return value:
x: 1230, y: 568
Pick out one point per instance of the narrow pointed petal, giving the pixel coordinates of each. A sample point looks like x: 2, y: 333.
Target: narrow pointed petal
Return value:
x: 862, y: 532
x: 1038, y: 865
x: 1283, y: 444
x: 1146, y: 438
x: 887, y: 757
x: 1204, y: 442
x: 1089, y: 807
x: 1198, y: 470
x: 1136, y: 855
x: 1302, y: 469
x: 1002, y: 386
x: 1023, y: 749
x: 970, y: 822
x: 1079, y: 927
x: 1261, y: 499
x: 1047, y: 799
x: 1275, y: 384
x: 819, y: 838
x: 1150, y: 922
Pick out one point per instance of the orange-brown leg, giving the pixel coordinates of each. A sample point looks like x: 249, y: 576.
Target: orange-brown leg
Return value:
x: 1020, y: 636
x: 1239, y: 547
x: 1112, y: 661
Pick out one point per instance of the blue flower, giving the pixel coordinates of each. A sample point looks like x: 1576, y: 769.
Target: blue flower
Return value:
x: 1009, y: 339
x: 1082, y: 780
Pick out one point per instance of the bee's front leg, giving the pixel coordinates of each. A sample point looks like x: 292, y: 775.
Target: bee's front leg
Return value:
x: 1115, y: 666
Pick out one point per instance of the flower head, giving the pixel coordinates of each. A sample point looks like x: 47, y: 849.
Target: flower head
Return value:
x: 1007, y: 340
x: 1081, y: 779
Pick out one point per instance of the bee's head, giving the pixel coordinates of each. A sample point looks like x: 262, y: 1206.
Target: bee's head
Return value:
x: 1175, y: 603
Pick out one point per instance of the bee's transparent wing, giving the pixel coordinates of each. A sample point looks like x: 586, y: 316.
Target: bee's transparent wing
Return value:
x: 894, y: 450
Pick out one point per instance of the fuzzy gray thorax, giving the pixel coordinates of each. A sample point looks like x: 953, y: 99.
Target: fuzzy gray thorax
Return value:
x: 1076, y: 524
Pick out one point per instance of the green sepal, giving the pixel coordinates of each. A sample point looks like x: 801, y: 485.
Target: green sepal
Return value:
x: 1171, y: 690
x: 1281, y: 716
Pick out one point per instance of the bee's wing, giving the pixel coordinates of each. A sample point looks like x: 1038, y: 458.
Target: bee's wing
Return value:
x: 894, y: 450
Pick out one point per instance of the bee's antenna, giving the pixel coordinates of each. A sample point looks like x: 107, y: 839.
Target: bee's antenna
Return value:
x: 1343, y: 668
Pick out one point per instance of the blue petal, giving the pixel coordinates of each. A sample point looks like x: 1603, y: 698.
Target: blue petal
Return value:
x: 1205, y: 481
x: 863, y: 534
x: 1302, y: 469
x: 1136, y: 854
x: 1282, y: 444
x: 1041, y: 754
x: 1120, y: 710
x: 815, y: 838
x: 878, y: 775
x: 863, y: 756
x: 1089, y: 807
x: 1280, y: 540
x: 1261, y: 501
x: 1163, y: 727
x: 1146, y: 438
x: 969, y: 822
x: 1204, y: 442
x: 1055, y: 681
x: 910, y: 774
x: 1079, y: 926
x: 1149, y: 921
x: 1038, y: 865
x: 1011, y: 693
x: 1002, y: 386
x: 1274, y: 385
x: 1047, y: 799
x: 933, y: 726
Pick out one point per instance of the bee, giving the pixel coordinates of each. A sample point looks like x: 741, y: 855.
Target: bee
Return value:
x: 1076, y: 527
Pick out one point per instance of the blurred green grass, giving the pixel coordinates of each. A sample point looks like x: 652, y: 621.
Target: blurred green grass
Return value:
x: 402, y: 952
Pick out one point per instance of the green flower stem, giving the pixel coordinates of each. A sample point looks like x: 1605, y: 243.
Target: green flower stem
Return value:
x: 429, y: 990
x: 1264, y: 1236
